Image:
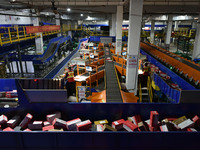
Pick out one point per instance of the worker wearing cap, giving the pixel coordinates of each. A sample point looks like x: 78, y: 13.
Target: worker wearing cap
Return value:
x: 70, y: 84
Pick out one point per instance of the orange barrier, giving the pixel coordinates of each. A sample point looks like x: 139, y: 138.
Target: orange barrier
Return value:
x: 174, y: 54
x: 192, y: 73
x: 119, y: 60
x: 129, y: 97
x: 99, y: 97
x: 95, y: 77
x: 112, y: 51
x: 101, y: 53
x: 121, y: 70
x: 101, y: 62
x: 100, y: 46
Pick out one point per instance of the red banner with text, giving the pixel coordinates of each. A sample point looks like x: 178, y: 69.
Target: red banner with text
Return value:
x: 36, y: 29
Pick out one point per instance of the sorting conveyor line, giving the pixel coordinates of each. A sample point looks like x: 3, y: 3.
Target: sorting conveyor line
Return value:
x: 49, y: 52
x: 186, y: 69
x: 112, y: 88
x: 183, y: 60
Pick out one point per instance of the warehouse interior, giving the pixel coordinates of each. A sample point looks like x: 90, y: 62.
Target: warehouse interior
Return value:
x: 72, y: 71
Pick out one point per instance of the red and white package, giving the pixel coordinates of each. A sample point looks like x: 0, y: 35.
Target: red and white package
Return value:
x: 156, y: 69
x: 71, y: 125
x: 12, y: 94
x: 162, y: 74
x: 99, y: 127
x: 8, y: 129
x: 24, y: 123
x: 13, y: 122
x: 36, y: 125
x: 84, y: 126
x: 27, y: 129
x: 46, y: 123
x: 154, y: 116
x: 196, y: 120
x: 58, y: 123
x: 3, y: 119
x: 135, y: 119
x: 186, y: 124
x: 175, y: 86
x: 164, y: 128
x: 129, y: 126
x: 118, y: 124
x: 47, y: 128
x: 51, y: 117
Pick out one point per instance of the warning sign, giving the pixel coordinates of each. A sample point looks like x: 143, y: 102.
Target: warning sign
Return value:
x: 132, y: 61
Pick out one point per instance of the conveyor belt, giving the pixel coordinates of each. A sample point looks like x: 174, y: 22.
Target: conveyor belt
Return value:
x: 184, y: 68
x: 178, y: 58
x: 49, y: 52
x: 112, y: 88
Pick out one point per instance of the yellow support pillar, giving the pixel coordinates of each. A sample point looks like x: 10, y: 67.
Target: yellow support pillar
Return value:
x: 9, y: 35
x: 24, y: 32
x: 18, y: 34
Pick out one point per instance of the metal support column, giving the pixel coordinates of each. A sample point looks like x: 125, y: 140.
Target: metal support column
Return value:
x: 196, y: 51
x: 135, y: 19
x: 169, y: 32
x: 152, y: 31
x: 119, y: 29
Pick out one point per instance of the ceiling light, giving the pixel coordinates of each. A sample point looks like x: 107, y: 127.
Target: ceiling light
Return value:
x: 81, y: 14
x: 68, y: 9
x: 196, y: 18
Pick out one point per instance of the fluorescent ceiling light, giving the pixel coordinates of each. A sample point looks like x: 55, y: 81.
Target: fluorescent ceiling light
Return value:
x: 68, y: 9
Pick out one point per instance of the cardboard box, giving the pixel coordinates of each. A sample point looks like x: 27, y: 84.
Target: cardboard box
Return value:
x: 99, y: 128
x: 118, y: 124
x: 51, y: 117
x: 24, y: 123
x: 8, y: 129
x: 142, y: 127
x: 71, y: 125
x: 179, y: 120
x: 186, y: 124
x: 59, y: 123
x: 101, y: 122
x: 14, y: 121
x: 3, y: 119
x: 129, y: 126
x: 108, y: 128
x: 56, y: 130
x: 154, y: 116
x: 47, y: 128
x: 36, y: 125
x: 84, y: 126
x: 135, y: 119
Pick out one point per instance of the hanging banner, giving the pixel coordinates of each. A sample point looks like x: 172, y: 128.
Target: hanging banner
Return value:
x: 36, y: 29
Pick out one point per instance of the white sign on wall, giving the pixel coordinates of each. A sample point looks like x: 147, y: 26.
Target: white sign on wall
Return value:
x: 132, y: 61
